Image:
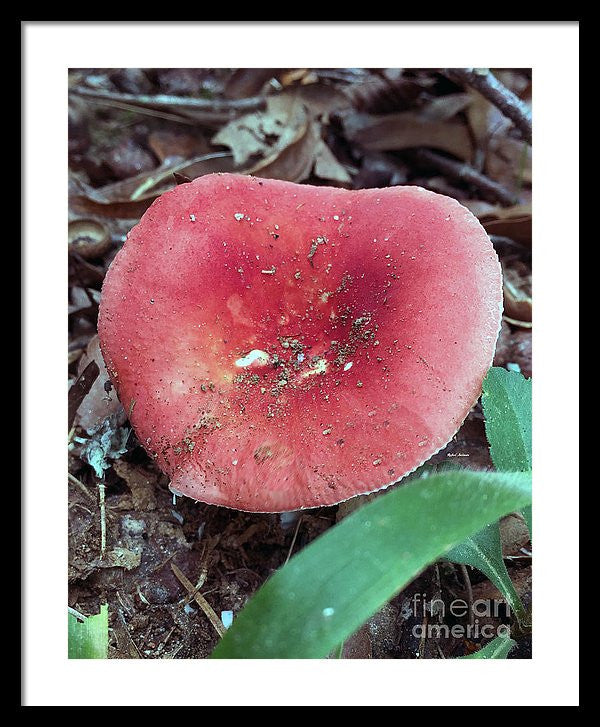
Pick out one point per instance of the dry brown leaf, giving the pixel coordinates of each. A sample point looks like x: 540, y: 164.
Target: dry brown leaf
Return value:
x: 517, y: 229
x: 516, y: 211
x: 517, y: 295
x: 120, y: 557
x: 80, y: 389
x: 521, y: 352
x: 167, y: 144
x: 287, y: 136
x: 109, y: 201
x: 245, y: 82
x: 513, y: 222
x: 522, y: 581
x: 295, y: 161
x: 443, y: 108
x: 298, y: 75
x: 407, y: 130
x: 503, y: 158
x: 514, y: 534
x: 130, y: 198
x: 140, y: 481
x: 485, y: 120
x: 518, y: 323
x: 508, y: 161
x: 266, y: 133
x: 479, y: 207
x: 328, y: 167
x: 98, y: 403
x: 81, y: 299
x: 322, y: 100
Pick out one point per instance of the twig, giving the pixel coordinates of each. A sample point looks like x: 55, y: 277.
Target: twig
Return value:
x: 108, y: 514
x: 200, y: 600
x: 289, y: 555
x: 81, y: 486
x: 469, y: 590
x: 81, y: 507
x: 177, y: 650
x: 160, y: 648
x: 465, y: 173
x: 129, y: 636
x: 76, y: 613
x: 421, y: 649
x: 212, y: 109
x: 102, y: 492
x: 484, y: 81
x: 155, y: 113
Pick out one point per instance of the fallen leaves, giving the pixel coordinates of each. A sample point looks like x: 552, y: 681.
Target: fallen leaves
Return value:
x: 513, y: 222
x: 283, y: 142
x: 408, y: 130
x: 141, y: 482
x: 517, y: 297
x: 80, y: 389
x: 98, y: 403
x: 265, y: 133
x: 130, y: 198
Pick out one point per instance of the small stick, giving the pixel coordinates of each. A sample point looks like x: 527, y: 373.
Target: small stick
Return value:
x: 76, y: 613
x: 129, y: 636
x: 469, y: 589
x: 160, y: 648
x: 102, y: 492
x: 465, y: 173
x: 421, y: 650
x: 81, y: 486
x: 216, y: 106
x: 289, y: 555
x: 87, y: 493
x: 484, y: 81
x: 200, y: 600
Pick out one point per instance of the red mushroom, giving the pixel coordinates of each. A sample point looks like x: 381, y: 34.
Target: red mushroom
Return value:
x: 282, y: 346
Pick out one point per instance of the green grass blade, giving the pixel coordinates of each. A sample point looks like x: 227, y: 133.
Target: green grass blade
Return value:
x: 327, y: 591
x: 499, y: 648
x: 89, y: 639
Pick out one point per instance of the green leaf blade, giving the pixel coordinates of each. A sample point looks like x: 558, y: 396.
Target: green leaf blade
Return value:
x: 89, y: 639
x: 506, y: 402
x: 483, y: 551
x: 528, y: 516
x: 498, y: 648
x: 326, y: 592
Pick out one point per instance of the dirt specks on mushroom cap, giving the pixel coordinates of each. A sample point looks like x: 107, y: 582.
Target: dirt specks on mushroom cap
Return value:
x: 282, y: 312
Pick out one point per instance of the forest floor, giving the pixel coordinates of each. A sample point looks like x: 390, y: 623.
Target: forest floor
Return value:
x: 135, y: 133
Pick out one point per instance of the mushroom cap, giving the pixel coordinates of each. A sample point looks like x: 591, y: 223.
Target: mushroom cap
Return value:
x: 282, y: 346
